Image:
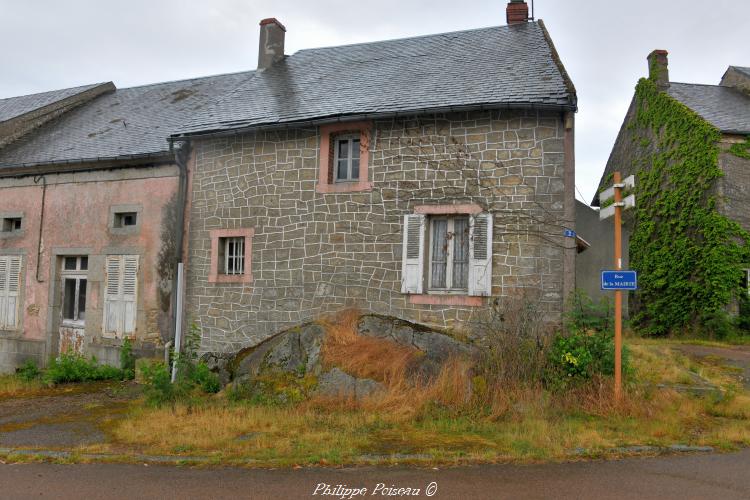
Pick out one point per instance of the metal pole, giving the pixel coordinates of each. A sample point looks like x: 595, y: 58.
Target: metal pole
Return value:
x: 178, y: 322
x: 618, y: 293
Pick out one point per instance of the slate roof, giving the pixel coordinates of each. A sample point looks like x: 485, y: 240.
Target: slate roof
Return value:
x: 126, y: 123
x: 493, y: 67
x: 12, y: 107
x: 742, y: 69
x: 726, y: 108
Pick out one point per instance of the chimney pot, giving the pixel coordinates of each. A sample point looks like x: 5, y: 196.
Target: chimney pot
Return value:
x: 658, y: 68
x: 517, y: 12
x: 271, y: 45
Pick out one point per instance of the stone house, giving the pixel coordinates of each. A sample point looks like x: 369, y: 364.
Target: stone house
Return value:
x: 90, y: 213
x: 692, y: 205
x: 424, y: 178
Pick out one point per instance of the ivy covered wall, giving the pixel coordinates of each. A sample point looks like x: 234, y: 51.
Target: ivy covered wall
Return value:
x: 689, y: 255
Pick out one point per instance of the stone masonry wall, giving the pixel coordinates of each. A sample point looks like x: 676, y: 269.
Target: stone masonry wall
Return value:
x: 314, y: 253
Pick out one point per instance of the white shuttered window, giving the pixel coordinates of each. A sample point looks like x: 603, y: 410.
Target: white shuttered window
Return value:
x: 120, y: 295
x: 447, y: 260
x: 10, y: 284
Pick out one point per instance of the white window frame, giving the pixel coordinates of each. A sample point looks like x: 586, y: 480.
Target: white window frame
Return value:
x: 449, y: 255
x: 10, y: 296
x: 79, y: 273
x: 234, y: 264
x: 350, y: 138
x: 416, y: 260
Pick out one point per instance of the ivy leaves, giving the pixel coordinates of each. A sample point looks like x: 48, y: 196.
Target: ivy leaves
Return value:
x: 689, y: 256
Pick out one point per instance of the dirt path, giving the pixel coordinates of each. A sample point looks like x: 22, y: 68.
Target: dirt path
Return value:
x: 738, y: 357
x: 71, y: 418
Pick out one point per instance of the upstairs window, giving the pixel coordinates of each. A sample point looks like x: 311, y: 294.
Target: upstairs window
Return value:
x: 346, y: 158
x: 11, y: 224
x: 125, y: 219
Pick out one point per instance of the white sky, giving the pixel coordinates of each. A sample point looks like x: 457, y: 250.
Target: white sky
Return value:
x: 49, y: 44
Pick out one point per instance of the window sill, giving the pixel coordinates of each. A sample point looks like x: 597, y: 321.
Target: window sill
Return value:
x: 344, y: 187
x: 445, y: 299
x: 231, y: 278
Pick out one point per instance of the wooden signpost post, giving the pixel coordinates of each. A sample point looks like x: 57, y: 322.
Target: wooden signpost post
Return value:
x: 618, y: 280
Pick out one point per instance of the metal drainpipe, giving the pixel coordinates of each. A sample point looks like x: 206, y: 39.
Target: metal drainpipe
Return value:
x: 181, y: 155
x: 41, y: 224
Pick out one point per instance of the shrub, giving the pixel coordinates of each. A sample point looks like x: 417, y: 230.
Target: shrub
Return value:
x: 515, y: 342
x: 72, y: 367
x: 578, y: 356
x: 192, y: 376
x: 28, y: 371
x: 127, y: 359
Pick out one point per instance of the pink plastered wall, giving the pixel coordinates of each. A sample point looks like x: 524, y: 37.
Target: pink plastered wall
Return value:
x: 77, y: 215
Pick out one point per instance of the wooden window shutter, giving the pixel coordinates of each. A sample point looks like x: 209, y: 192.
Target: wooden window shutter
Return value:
x: 480, y: 255
x: 120, y: 295
x: 129, y: 292
x: 10, y: 285
x: 413, y: 254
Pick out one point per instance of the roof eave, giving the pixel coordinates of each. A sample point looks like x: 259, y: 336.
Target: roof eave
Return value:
x: 241, y: 129
x: 76, y: 165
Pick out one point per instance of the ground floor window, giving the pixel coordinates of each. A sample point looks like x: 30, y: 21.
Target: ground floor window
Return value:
x: 74, y: 287
x: 449, y: 253
x: 446, y: 251
x: 10, y: 284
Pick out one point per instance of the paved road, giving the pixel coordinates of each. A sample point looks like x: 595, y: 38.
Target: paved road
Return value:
x: 684, y: 477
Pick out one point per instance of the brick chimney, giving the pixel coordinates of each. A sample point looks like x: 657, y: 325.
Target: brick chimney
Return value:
x: 658, y: 68
x: 271, y: 46
x: 517, y: 12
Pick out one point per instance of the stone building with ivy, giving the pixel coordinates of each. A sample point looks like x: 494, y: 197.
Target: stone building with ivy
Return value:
x: 688, y: 146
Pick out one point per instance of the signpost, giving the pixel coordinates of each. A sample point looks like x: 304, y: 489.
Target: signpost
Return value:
x: 618, y: 280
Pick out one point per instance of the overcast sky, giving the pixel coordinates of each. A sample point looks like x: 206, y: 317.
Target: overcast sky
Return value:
x: 50, y: 44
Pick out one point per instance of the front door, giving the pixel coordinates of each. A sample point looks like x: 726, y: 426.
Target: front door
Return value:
x: 73, y: 305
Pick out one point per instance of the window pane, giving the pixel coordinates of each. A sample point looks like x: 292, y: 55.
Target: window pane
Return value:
x: 461, y: 253
x: 84, y: 263
x: 344, y: 149
x: 342, y: 173
x: 70, y: 263
x: 355, y: 169
x: 82, y: 300
x: 355, y: 149
x: 69, y: 298
x: 439, y: 253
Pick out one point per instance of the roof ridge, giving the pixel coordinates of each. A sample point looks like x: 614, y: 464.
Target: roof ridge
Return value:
x: 91, y: 85
x: 156, y: 84
x: 415, y: 37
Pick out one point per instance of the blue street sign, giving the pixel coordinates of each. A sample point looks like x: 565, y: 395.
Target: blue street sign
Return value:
x: 569, y: 233
x: 619, y: 280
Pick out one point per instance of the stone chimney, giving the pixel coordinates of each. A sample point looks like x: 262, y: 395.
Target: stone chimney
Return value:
x: 271, y: 46
x: 658, y: 68
x: 517, y: 12
x: 738, y: 78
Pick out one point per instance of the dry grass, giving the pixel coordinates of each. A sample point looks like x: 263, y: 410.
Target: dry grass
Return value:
x: 448, y: 420
x: 365, y: 357
x: 13, y: 386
